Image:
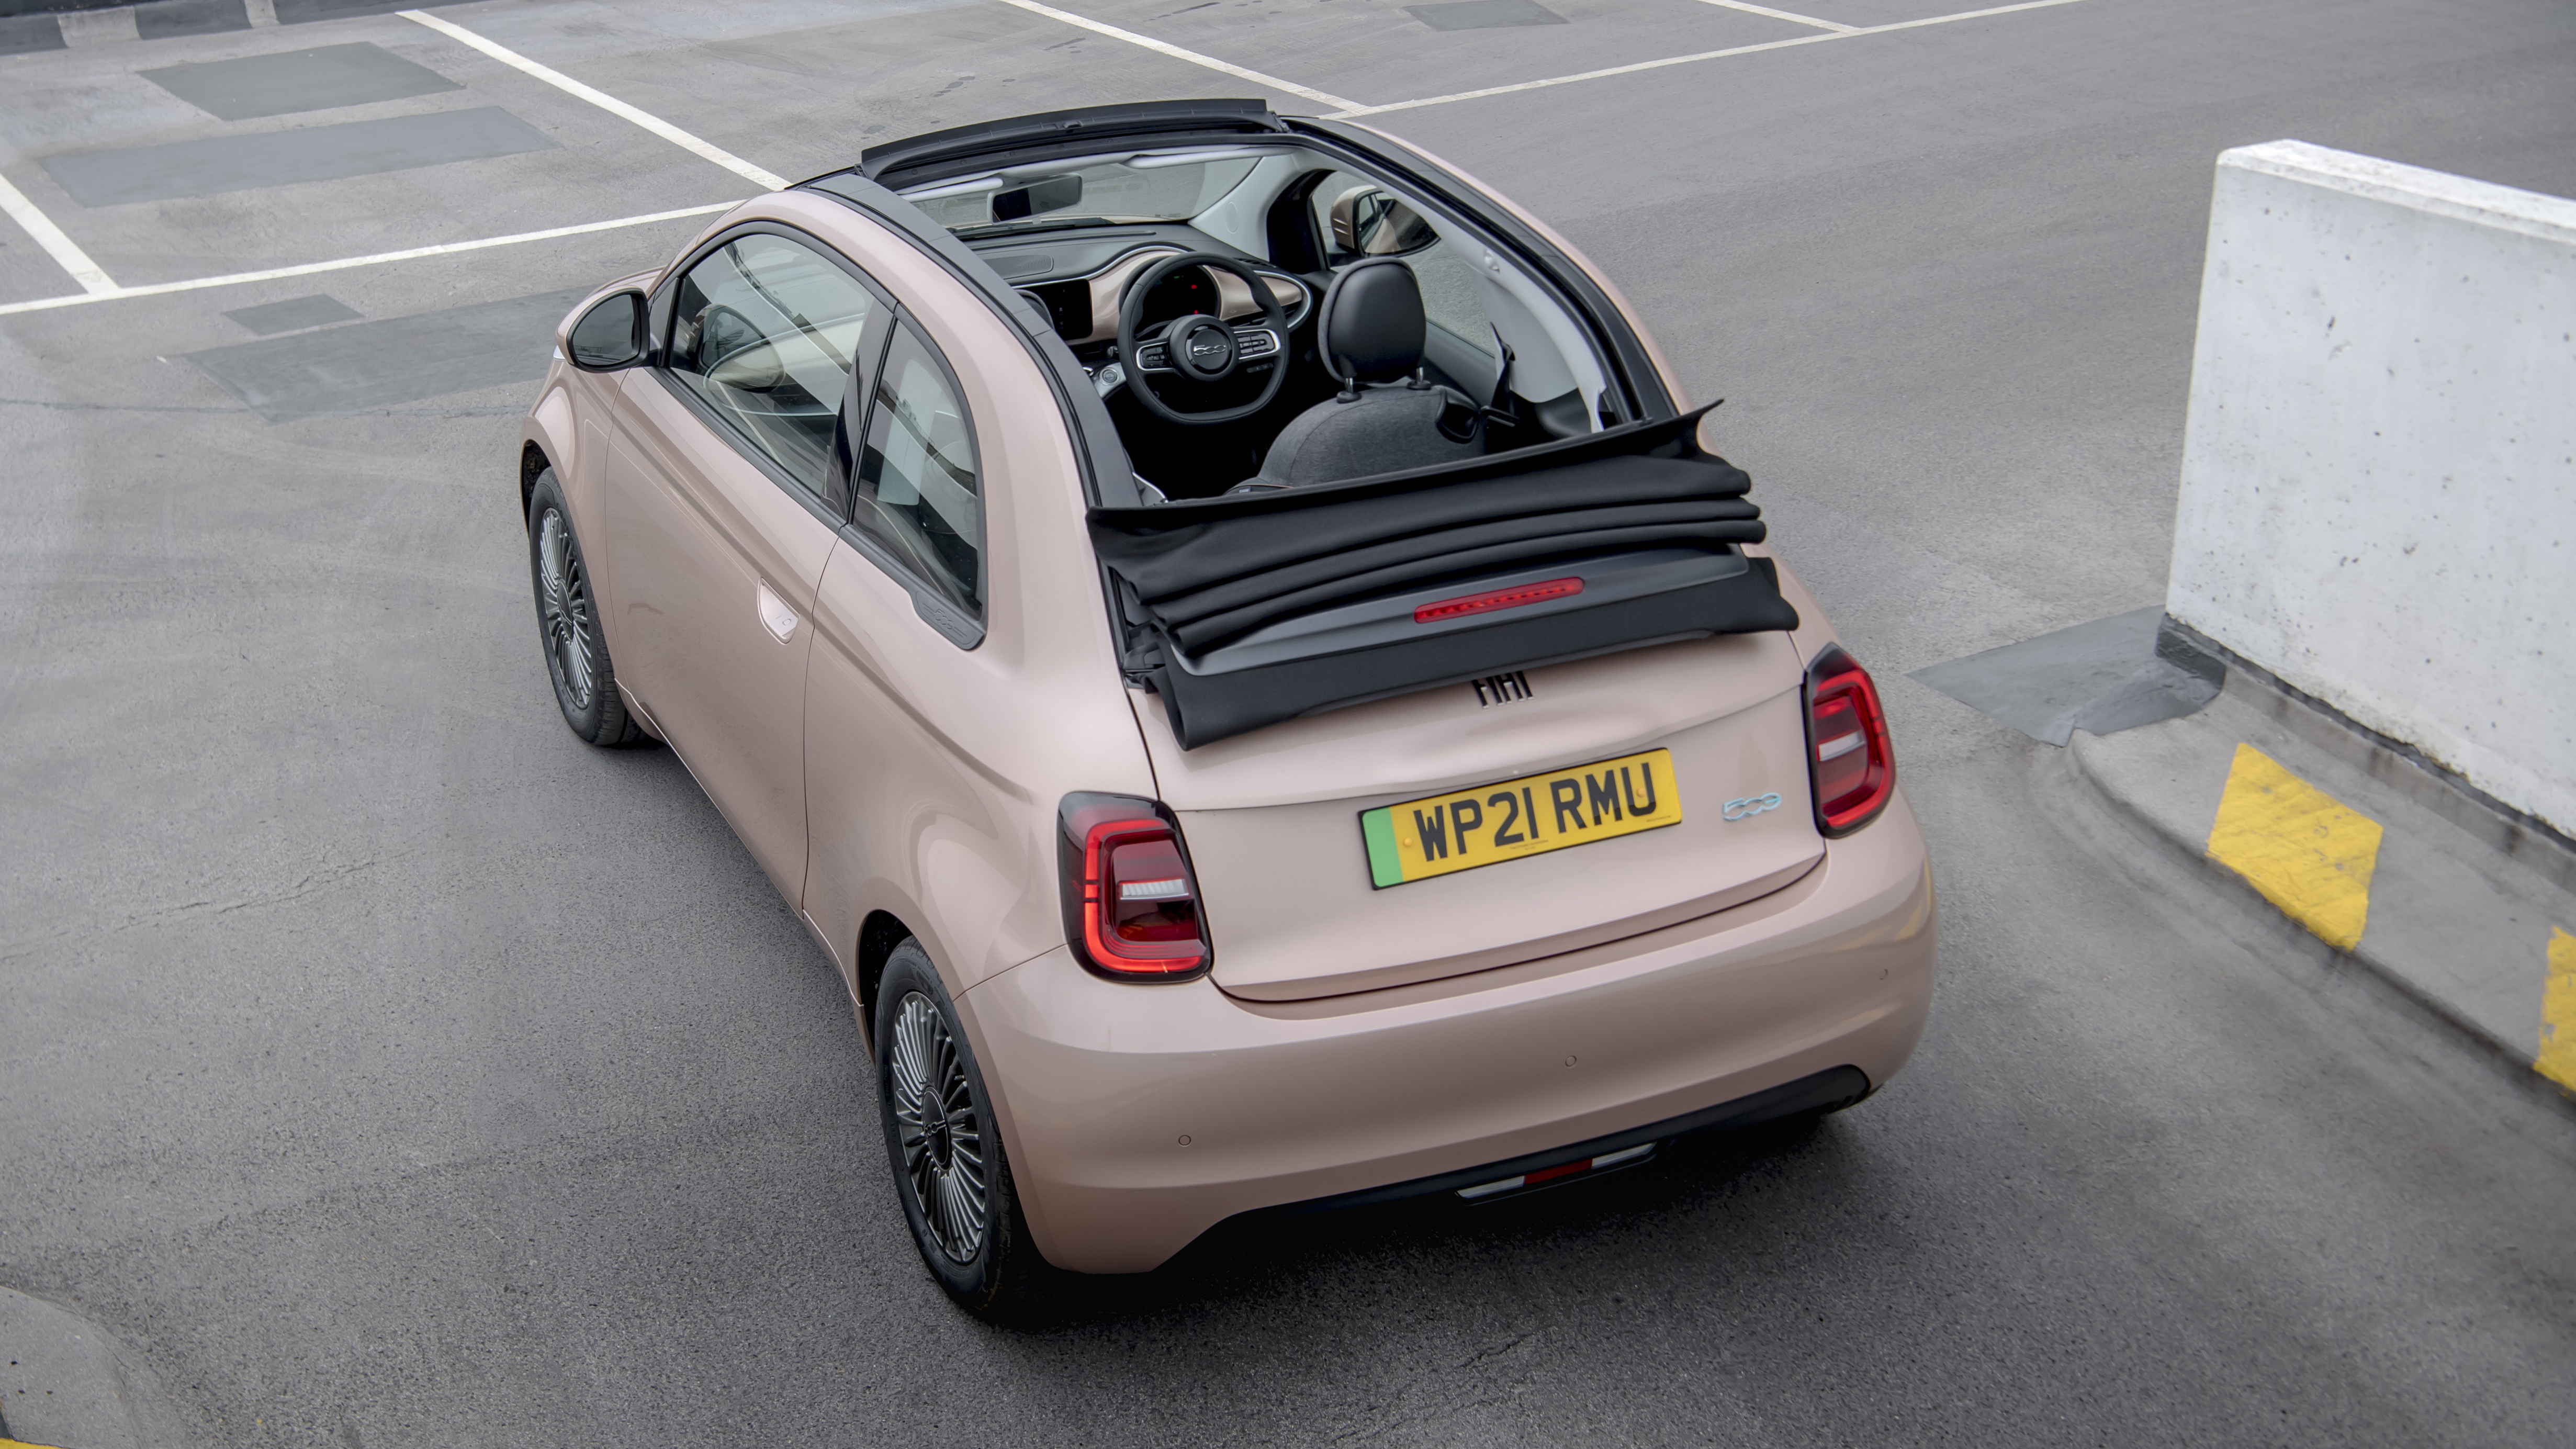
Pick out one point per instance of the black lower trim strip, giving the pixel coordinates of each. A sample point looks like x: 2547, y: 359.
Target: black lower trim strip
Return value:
x: 1828, y: 1090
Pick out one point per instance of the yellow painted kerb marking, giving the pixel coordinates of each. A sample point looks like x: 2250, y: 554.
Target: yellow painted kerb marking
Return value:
x: 2302, y: 848
x: 14, y: 1444
x: 2557, y: 1059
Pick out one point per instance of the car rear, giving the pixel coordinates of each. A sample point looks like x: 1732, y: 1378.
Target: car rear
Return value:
x: 1333, y: 1033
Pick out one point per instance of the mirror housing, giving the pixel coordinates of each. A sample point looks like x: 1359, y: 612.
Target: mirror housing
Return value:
x: 1369, y: 222
x: 1053, y: 194
x: 610, y: 335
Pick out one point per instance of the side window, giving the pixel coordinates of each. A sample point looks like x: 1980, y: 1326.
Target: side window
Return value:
x: 919, y: 494
x: 766, y: 331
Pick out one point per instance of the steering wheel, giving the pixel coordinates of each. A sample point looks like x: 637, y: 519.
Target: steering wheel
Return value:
x: 1199, y: 349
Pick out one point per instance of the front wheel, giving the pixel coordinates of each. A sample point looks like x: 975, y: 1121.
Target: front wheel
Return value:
x: 945, y: 1147
x: 568, y: 624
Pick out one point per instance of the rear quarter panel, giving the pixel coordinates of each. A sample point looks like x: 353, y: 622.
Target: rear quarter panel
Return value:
x: 933, y: 772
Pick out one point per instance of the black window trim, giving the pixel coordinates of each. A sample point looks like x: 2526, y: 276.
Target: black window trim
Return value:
x: 932, y: 603
x: 659, y: 318
x: 934, y: 607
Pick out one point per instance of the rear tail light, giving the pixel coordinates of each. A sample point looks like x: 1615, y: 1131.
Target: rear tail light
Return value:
x: 1131, y: 906
x: 1853, y: 768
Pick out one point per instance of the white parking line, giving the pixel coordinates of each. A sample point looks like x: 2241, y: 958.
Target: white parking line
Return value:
x: 235, y: 279
x: 602, y: 99
x: 1321, y: 98
x: 101, y: 288
x: 1834, y: 25
x: 1821, y: 38
x: 62, y: 249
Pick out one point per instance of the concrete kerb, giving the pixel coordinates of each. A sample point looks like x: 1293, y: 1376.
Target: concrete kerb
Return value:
x: 2462, y: 900
x: 70, y: 1385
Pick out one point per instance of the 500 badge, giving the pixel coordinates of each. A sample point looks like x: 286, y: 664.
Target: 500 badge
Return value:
x: 1751, y: 805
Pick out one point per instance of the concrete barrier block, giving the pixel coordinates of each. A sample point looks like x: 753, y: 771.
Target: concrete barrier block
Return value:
x: 2378, y: 496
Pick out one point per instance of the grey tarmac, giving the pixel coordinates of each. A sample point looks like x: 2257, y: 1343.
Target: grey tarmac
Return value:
x: 380, y: 1066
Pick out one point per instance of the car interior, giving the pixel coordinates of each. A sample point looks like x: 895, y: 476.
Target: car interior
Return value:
x: 1262, y: 317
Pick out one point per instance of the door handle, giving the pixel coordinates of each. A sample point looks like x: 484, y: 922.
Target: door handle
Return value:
x: 775, y: 616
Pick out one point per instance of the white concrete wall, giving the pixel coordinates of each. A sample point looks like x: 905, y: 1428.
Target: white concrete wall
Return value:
x: 2379, y: 472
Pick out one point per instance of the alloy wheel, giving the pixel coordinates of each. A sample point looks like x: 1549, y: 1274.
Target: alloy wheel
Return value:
x: 943, y: 1139
x: 563, y: 605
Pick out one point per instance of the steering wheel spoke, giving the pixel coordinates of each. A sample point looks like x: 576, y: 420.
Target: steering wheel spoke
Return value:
x: 1197, y: 350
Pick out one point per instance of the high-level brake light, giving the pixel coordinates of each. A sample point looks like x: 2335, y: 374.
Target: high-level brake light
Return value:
x: 1492, y: 599
x: 1131, y: 906
x: 1852, y: 765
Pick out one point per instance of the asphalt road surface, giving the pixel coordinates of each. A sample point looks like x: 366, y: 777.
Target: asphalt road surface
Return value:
x: 388, y: 1068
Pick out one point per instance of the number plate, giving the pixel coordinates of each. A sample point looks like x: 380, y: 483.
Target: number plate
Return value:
x: 1443, y: 834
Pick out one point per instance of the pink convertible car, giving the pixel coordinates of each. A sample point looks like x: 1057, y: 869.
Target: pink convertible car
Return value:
x: 1230, y: 635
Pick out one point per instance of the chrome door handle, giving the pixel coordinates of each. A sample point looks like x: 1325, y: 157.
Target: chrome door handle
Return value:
x: 775, y: 616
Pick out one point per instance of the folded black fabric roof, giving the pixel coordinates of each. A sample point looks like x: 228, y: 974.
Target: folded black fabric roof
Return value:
x: 1209, y: 572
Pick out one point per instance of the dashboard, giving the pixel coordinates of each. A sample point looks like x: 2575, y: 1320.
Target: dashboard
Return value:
x: 1082, y: 280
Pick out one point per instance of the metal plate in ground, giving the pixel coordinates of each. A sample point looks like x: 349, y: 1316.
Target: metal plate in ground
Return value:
x: 217, y: 164
x: 1484, y: 14
x: 294, y: 314
x: 20, y: 34
x: 398, y: 360
x: 298, y: 80
x: 157, y: 19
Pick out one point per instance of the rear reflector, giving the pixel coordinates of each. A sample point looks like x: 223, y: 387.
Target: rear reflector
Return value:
x: 1853, y: 767
x: 1557, y: 1173
x: 1131, y: 907
x: 1486, y: 603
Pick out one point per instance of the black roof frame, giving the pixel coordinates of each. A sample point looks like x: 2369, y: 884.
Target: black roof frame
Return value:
x: 1051, y: 135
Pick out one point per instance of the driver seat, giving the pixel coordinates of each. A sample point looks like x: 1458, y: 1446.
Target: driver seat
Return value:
x: 1387, y: 417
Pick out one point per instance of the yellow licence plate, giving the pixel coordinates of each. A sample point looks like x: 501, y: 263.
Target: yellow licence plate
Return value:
x: 1441, y: 834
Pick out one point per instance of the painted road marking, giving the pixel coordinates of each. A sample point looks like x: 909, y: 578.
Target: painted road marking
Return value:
x: 602, y: 99
x: 65, y: 252
x: 156, y: 289
x: 1820, y: 38
x: 1161, y: 47
x: 99, y: 287
x: 1833, y: 25
x: 2302, y: 848
x: 2557, y: 1059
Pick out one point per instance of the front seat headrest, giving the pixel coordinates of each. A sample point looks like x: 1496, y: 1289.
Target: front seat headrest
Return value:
x: 1370, y: 327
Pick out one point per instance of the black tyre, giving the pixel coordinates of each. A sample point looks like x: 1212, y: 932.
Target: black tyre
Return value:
x: 568, y: 625
x: 945, y: 1148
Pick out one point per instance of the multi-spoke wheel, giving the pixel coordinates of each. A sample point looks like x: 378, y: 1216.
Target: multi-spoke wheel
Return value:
x: 563, y: 609
x: 568, y: 623
x: 948, y: 1162
x: 943, y: 1144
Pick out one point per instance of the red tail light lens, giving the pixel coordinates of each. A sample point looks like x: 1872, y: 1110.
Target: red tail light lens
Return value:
x: 1849, y: 758
x: 1131, y: 906
x: 1486, y: 603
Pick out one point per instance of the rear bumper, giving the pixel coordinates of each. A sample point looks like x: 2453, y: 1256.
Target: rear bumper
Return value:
x: 1139, y: 1116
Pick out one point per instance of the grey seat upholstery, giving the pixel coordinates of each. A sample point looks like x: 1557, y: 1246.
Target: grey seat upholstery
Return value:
x: 1369, y: 330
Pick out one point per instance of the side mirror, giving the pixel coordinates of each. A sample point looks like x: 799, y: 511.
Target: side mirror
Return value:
x: 1369, y: 222
x: 1053, y: 194
x: 610, y: 335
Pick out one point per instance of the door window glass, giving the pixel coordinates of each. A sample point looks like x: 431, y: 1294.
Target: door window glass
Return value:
x: 765, y: 331
x: 918, y: 493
